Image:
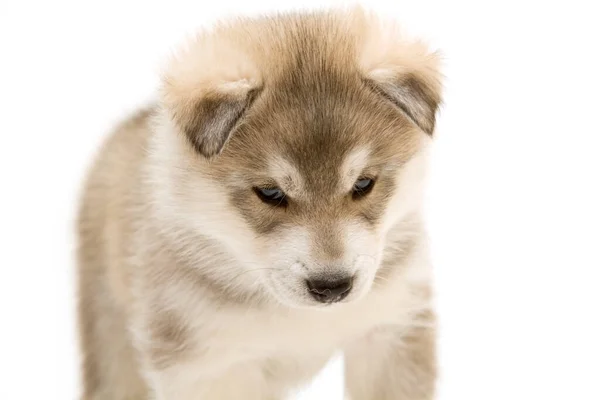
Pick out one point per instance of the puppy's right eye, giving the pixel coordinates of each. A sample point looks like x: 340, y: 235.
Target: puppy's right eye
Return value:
x: 273, y: 196
x: 362, y: 187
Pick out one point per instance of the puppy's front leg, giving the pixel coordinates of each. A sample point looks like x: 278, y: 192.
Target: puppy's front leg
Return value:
x: 391, y: 364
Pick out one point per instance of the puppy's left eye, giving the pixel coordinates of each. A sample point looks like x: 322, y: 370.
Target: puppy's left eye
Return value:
x: 273, y: 196
x: 362, y: 187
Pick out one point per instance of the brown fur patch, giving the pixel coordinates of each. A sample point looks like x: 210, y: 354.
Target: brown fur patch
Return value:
x: 315, y: 129
x: 170, y: 338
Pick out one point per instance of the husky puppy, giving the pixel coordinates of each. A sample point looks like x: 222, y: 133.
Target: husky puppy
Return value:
x: 264, y: 214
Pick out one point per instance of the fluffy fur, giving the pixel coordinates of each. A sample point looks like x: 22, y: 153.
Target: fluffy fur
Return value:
x: 191, y: 287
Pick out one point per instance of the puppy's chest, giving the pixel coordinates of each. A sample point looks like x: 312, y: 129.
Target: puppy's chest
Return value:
x: 300, y: 332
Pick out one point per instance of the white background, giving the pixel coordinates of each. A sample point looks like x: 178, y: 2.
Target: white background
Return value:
x: 513, y: 206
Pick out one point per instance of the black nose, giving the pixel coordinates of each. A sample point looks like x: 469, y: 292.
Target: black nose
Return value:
x: 328, y: 290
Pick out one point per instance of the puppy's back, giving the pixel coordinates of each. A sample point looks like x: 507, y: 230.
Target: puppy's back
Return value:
x: 104, y: 224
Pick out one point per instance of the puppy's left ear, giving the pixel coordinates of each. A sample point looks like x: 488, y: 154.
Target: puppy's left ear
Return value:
x: 401, y: 70
x: 416, y: 94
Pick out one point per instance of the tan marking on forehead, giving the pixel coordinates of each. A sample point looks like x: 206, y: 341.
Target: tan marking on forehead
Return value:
x: 353, y: 166
x: 287, y: 177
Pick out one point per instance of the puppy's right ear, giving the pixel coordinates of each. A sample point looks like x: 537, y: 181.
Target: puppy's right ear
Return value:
x: 209, y: 120
x: 207, y: 87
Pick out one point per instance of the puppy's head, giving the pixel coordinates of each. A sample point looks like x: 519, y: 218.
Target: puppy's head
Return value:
x: 299, y: 144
